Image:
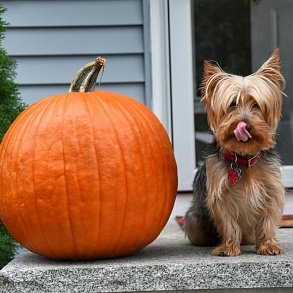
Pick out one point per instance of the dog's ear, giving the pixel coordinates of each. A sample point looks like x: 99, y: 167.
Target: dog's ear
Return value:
x: 271, y: 70
x: 209, y: 69
x: 210, y: 79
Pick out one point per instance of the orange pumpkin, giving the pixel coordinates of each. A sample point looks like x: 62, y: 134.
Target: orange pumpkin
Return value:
x: 86, y: 174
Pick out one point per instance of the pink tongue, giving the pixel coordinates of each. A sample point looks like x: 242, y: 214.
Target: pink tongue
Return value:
x: 241, y: 133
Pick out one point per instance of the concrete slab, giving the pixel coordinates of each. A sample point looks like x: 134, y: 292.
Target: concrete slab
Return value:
x: 169, y: 263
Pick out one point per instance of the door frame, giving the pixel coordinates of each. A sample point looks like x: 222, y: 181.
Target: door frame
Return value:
x: 172, y: 72
x: 172, y: 80
x: 183, y: 90
x: 287, y: 176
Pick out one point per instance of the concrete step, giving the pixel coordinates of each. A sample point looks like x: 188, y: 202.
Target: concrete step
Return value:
x: 169, y: 264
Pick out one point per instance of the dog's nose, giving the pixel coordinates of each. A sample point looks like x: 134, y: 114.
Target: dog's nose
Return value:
x: 248, y: 126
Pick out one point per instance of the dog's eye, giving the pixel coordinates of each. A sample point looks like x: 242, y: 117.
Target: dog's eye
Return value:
x: 255, y: 106
x: 233, y: 105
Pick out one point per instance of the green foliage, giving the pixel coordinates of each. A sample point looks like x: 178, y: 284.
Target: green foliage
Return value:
x: 7, y: 247
x: 10, y: 103
x: 10, y: 106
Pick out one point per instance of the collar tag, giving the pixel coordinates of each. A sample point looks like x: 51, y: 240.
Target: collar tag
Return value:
x: 234, y: 173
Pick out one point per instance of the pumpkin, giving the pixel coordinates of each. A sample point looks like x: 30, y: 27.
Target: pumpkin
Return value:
x: 86, y: 174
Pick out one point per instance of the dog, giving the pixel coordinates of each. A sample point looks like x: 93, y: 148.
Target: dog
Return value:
x: 238, y: 196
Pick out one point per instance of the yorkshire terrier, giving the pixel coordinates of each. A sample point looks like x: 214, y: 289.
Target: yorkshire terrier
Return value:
x: 238, y: 195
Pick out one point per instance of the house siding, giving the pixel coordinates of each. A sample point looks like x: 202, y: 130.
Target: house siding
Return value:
x: 51, y: 40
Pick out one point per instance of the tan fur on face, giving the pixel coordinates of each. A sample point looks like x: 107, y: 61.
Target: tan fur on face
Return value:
x: 257, y: 99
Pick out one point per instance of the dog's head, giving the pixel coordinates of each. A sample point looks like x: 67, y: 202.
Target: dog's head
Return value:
x: 243, y: 112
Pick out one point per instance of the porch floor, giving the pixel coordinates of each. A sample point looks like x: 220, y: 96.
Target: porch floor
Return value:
x: 170, y: 263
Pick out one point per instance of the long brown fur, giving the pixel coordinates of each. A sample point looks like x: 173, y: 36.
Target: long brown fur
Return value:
x: 248, y: 211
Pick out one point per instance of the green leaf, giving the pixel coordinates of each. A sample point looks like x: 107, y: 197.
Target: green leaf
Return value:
x: 10, y: 107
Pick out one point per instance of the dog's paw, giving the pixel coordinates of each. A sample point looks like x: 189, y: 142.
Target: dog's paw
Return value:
x: 270, y: 247
x: 225, y: 250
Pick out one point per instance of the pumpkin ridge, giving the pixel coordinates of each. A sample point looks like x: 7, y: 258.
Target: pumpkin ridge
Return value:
x: 35, y: 115
x: 153, y: 145
x: 166, y: 161
x: 99, y: 100
x: 3, y: 149
x: 90, y: 113
x: 7, y: 138
x: 66, y: 184
x: 20, y: 139
x: 140, y: 114
x: 60, y: 198
x: 126, y: 114
x: 18, y: 121
x: 68, y: 193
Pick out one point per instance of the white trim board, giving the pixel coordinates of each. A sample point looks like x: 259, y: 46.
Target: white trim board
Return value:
x: 287, y: 177
x: 182, y: 90
x: 159, y: 47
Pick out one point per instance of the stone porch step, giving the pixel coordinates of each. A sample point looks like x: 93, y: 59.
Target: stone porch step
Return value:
x: 169, y: 264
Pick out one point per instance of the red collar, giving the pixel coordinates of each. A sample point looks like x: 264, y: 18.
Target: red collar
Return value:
x: 244, y: 161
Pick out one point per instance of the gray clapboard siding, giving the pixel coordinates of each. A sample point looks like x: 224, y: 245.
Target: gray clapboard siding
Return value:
x: 61, y: 69
x: 74, y: 13
x: 38, y: 92
x: 51, y: 40
x: 74, y: 40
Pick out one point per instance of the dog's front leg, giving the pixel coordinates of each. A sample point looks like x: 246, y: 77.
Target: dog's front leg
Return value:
x: 222, y: 209
x: 229, y: 231
x: 266, y: 243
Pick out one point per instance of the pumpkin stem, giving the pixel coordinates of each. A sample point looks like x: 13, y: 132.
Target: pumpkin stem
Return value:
x: 86, y: 78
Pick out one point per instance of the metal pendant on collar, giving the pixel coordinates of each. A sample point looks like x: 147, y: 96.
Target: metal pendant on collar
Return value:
x: 234, y: 173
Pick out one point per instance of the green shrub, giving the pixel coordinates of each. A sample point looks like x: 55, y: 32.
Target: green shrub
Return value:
x: 7, y: 247
x: 10, y: 106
